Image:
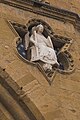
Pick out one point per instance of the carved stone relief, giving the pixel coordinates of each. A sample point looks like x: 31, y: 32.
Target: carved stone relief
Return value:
x: 61, y: 45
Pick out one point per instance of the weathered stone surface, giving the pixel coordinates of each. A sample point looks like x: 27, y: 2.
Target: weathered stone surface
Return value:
x: 4, y: 114
x: 71, y: 5
x: 61, y: 100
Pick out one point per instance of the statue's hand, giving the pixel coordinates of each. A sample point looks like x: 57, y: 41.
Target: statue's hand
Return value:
x: 36, y: 44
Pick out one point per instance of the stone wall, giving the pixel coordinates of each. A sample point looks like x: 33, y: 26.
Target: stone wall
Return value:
x: 60, y: 101
x: 71, y: 5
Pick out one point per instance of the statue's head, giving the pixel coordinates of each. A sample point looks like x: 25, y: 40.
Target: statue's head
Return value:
x: 40, y: 28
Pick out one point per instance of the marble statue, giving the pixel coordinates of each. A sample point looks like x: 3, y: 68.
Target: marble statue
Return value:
x: 42, y: 49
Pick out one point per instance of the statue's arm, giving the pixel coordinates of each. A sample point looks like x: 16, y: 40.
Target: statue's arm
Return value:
x: 33, y: 39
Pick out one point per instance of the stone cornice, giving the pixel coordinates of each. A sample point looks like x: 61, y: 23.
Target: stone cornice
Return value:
x: 45, y: 10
